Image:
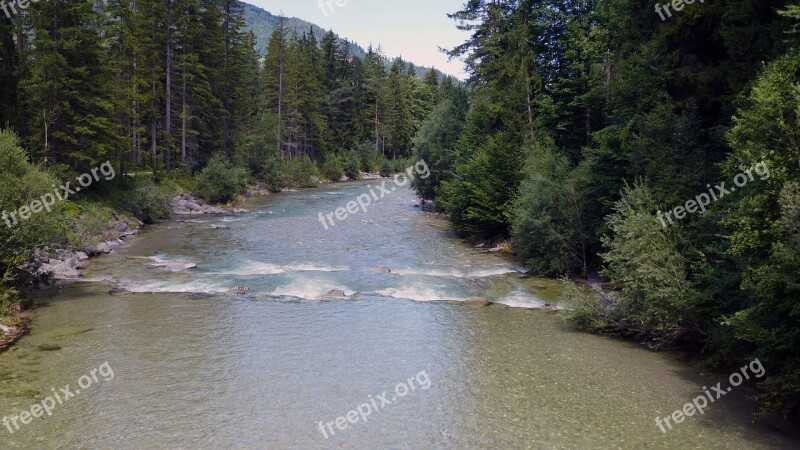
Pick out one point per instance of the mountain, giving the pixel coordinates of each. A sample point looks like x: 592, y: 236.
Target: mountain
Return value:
x: 263, y: 23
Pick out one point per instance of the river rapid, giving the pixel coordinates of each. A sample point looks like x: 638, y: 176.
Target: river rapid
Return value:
x: 195, y: 366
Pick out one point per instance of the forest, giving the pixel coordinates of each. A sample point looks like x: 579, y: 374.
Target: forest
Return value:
x: 582, y: 121
x: 587, y: 120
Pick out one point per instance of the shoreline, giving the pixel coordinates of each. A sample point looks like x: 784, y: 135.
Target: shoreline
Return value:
x: 48, y: 266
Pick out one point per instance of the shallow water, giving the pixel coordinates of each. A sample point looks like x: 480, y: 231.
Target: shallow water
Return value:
x: 195, y: 367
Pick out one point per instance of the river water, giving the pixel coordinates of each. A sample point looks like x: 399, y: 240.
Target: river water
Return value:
x: 196, y: 367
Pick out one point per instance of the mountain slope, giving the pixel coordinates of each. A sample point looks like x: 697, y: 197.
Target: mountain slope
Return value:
x: 263, y: 24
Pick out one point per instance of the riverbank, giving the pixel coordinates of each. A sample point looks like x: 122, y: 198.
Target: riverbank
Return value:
x: 51, y: 264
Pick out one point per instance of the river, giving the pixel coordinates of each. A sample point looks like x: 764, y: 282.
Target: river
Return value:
x: 196, y: 367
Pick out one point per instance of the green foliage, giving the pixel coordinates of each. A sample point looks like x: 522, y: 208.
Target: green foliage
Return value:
x: 648, y: 266
x: 220, y: 181
x: 761, y: 228
x: 302, y: 172
x: 352, y: 165
x: 332, y: 169
x: 273, y: 173
x: 548, y: 227
x: 147, y: 203
x: 369, y: 159
x: 592, y: 309
x: 20, y: 184
x: 435, y: 143
x: 386, y: 169
x: 479, y: 200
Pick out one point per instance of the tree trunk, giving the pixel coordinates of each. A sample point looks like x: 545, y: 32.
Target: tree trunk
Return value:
x: 168, y: 121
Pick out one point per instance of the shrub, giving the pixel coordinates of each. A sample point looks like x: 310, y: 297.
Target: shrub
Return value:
x: 369, y: 158
x: 332, y: 168
x: 20, y: 184
x: 648, y: 266
x: 302, y: 172
x: 352, y: 166
x: 387, y: 169
x: 272, y: 173
x: 220, y: 181
x: 147, y: 203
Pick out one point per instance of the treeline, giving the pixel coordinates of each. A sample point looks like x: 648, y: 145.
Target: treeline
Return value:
x: 166, y: 84
x: 586, y: 118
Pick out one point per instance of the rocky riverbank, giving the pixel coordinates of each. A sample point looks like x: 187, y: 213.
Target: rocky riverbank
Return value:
x: 61, y: 263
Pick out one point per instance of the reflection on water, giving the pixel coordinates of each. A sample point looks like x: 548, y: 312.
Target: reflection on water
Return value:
x: 196, y: 367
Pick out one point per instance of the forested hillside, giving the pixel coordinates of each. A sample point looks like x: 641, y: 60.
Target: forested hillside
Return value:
x: 263, y: 23
x: 590, y: 124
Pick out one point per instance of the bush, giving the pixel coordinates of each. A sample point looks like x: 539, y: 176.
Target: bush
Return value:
x: 387, y: 169
x: 648, y: 266
x: 369, y: 158
x: 220, y: 181
x: 352, y: 166
x: 548, y: 216
x: 147, y: 203
x: 272, y: 173
x: 332, y: 168
x: 302, y: 172
x: 20, y: 184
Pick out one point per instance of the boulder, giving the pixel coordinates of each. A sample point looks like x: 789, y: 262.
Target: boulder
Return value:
x: 104, y: 247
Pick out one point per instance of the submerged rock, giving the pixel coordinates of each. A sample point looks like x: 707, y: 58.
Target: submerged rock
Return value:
x: 335, y: 294
x: 240, y: 290
x: 477, y: 302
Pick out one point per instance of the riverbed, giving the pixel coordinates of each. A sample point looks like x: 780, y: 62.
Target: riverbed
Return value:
x: 335, y: 319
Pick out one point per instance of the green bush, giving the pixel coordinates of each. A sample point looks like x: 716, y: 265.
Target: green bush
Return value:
x: 352, y: 166
x: 649, y: 267
x: 332, y: 168
x: 302, y: 172
x: 369, y: 159
x: 220, y: 181
x: 272, y: 173
x: 387, y: 169
x: 147, y: 203
x: 20, y: 184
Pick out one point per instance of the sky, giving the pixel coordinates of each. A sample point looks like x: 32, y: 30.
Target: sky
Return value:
x: 413, y: 29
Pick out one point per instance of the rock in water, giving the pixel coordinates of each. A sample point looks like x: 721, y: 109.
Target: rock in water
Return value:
x: 477, y: 302
x: 240, y: 290
x: 336, y: 294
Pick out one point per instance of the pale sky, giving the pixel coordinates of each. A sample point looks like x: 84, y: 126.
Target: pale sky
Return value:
x: 413, y: 29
